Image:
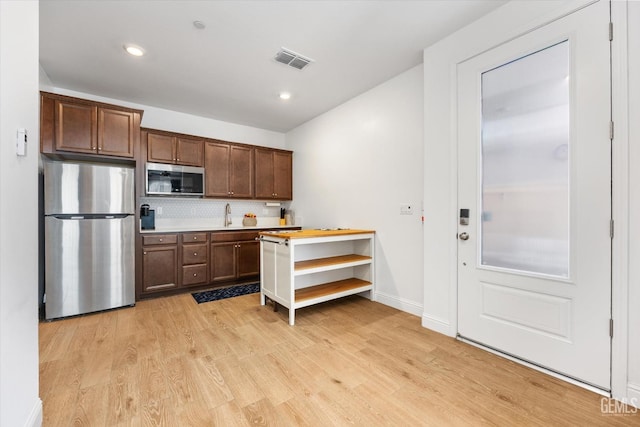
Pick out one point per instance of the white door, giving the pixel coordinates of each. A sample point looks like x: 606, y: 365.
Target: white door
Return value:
x: 534, y: 173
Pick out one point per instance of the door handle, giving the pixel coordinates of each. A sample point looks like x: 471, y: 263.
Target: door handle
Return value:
x: 463, y: 236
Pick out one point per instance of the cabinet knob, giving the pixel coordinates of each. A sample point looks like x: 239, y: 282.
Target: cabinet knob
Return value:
x: 195, y: 254
x: 160, y: 240
x: 195, y: 238
x: 144, y: 253
x: 195, y: 274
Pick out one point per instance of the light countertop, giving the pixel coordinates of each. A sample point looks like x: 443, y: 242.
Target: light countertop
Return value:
x: 180, y: 225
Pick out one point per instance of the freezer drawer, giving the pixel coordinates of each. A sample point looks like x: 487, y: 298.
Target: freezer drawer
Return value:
x: 89, y: 265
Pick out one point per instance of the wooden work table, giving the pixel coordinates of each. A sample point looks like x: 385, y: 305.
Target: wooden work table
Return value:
x: 314, y: 233
x: 305, y: 267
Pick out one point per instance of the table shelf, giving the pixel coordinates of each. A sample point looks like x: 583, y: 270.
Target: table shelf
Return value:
x: 330, y: 263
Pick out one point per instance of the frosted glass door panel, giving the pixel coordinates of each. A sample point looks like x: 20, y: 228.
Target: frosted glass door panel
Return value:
x: 525, y: 164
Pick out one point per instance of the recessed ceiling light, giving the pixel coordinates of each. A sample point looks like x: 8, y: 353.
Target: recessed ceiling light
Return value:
x: 133, y: 50
x: 199, y: 25
x: 285, y: 95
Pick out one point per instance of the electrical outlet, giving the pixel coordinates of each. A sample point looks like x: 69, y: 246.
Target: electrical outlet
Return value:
x: 159, y: 210
x: 406, y: 209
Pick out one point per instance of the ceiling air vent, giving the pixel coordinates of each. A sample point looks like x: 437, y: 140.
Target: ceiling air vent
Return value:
x: 292, y: 59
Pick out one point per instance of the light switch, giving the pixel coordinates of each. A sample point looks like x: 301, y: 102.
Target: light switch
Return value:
x: 406, y: 209
x: 21, y: 142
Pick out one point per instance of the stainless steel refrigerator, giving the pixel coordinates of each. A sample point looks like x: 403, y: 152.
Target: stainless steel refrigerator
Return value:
x: 89, y: 227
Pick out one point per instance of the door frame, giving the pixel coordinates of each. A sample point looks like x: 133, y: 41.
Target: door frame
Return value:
x: 441, y: 162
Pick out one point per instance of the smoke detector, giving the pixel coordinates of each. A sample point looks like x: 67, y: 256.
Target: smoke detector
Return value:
x: 292, y: 59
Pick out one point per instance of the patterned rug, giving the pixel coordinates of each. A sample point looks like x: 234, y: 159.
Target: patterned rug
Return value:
x: 230, y: 292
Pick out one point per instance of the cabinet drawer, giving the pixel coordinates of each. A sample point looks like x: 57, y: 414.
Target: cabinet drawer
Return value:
x: 194, y: 237
x: 160, y: 239
x: 194, y: 274
x: 194, y: 254
x: 234, y: 236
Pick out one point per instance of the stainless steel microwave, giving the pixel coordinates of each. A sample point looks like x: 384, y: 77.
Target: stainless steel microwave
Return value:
x: 174, y: 180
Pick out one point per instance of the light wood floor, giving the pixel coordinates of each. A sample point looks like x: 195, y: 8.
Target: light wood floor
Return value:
x: 171, y: 362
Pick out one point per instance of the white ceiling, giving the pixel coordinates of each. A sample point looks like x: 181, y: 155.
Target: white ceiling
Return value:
x: 227, y: 71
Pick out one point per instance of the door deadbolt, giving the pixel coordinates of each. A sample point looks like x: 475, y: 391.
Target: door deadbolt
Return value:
x: 463, y: 236
x: 464, y: 216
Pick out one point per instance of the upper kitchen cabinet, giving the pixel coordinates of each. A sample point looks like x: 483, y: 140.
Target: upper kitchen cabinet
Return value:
x: 274, y: 170
x: 72, y: 125
x: 228, y: 170
x: 176, y: 149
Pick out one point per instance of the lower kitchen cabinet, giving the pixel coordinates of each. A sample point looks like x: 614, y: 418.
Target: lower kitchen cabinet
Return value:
x: 195, y: 259
x: 248, y: 259
x: 183, y: 262
x: 223, y: 261
x: 159, y: 262
x: 234, y: 255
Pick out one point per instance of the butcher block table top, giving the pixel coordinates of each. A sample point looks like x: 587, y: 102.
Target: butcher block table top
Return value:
x: 314, y: 232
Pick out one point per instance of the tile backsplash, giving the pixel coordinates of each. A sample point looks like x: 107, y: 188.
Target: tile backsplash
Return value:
x: 191, y: 208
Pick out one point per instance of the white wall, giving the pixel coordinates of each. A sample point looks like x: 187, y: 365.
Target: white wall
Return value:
x: 19, y: 108
x: 633, y: 385
x: 174, y: 121
x: 355, y: 165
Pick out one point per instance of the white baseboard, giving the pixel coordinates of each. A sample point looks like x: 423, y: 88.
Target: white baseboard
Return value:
x: 401, y: 304
x: 438, y: 325
x: 35, y: 417
x: 633, y: 395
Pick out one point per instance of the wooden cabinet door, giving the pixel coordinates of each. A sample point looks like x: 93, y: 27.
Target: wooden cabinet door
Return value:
x: 159, y: 268
x: 264, y: 174
x: 282, y: 175
x: 189, y: 152
x: 115, y: 132
x: 160, y: 148
x: 248, y: 259
x: 223, y: 261
x: 76, y: 127
x: 241, y: 172
x: 216, y: 167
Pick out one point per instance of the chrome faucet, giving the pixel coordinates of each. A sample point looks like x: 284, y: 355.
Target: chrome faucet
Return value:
x: 227, y: 215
